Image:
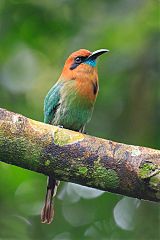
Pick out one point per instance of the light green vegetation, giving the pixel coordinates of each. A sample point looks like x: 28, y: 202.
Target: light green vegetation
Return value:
x: 105, y: 177
x: 63, y: 138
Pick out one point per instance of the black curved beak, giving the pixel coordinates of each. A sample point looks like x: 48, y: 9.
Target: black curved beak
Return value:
x: 97, y: 53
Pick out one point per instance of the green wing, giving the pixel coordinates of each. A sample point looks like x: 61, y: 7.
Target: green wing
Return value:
x: 51, y: 102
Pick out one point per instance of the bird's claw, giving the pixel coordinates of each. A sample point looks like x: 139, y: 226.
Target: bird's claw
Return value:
x: 60, y: 126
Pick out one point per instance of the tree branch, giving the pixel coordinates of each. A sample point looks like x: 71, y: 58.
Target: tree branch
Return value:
x: 74, y: 157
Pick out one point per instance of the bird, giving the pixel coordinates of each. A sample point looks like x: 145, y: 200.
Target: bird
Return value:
x: 69, y: 104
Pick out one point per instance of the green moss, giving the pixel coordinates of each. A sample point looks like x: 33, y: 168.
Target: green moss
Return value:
x: 27, y: 153
x: 152, y: 172
x: 105, y: 177
x: 147, y: 170
x: 47, y: 163
x: 155, y: 182
x: 63, y: 137
x: 60, y: 172
x: 83, y: 170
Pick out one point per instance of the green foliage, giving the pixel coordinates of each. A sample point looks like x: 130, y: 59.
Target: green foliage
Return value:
x: 36, y: 37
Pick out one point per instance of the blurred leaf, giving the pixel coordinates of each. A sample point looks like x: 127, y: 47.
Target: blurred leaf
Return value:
x: 73, y: 192
x: 78, y: 214
x: 125, y: 211
x: 63, y: 236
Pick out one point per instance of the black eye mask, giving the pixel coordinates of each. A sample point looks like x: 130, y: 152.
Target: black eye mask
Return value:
x: 77, y: 61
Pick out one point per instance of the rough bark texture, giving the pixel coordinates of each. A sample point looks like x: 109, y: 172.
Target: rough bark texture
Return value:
x: 74, y: 157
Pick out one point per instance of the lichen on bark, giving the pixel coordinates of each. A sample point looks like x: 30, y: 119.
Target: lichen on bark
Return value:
x: 63, y: 137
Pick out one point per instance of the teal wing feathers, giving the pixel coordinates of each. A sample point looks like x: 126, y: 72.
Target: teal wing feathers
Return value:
x: 51, y: 102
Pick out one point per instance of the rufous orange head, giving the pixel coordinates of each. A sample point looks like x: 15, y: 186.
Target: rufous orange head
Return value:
x: 81, y: 62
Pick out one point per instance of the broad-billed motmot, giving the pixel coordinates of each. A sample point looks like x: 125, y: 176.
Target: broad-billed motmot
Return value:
x: 69, y: 103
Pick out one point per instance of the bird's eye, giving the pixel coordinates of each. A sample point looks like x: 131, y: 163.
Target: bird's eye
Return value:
x: 78, y: 60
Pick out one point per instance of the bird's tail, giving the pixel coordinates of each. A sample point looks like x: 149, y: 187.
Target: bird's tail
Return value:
x: 47, y: 212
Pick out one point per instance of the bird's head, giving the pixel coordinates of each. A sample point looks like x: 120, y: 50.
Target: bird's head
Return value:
x: 81, y: 62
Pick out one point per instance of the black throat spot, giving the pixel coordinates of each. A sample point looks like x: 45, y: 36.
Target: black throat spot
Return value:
x: 95, y: 87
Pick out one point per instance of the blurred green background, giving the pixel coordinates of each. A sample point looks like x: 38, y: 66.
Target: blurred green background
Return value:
x: 35, y: 39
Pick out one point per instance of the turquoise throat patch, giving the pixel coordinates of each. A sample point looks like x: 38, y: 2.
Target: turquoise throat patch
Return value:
x: 91, y: 62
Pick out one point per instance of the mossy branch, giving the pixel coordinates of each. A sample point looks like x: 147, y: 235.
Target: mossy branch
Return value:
x: 74, y: 157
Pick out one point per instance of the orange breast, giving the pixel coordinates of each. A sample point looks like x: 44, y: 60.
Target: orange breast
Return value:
x: 86, y: 79
x: 87, y: 84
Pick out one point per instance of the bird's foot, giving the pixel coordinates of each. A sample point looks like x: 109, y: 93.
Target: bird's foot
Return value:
x: 60, y: 126
x: 82, y: 131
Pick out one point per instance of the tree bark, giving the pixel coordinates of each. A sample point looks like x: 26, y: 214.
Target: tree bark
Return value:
x: 75, y: 157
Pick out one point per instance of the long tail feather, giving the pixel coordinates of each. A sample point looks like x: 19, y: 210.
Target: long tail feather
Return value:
x: 47, y: 212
